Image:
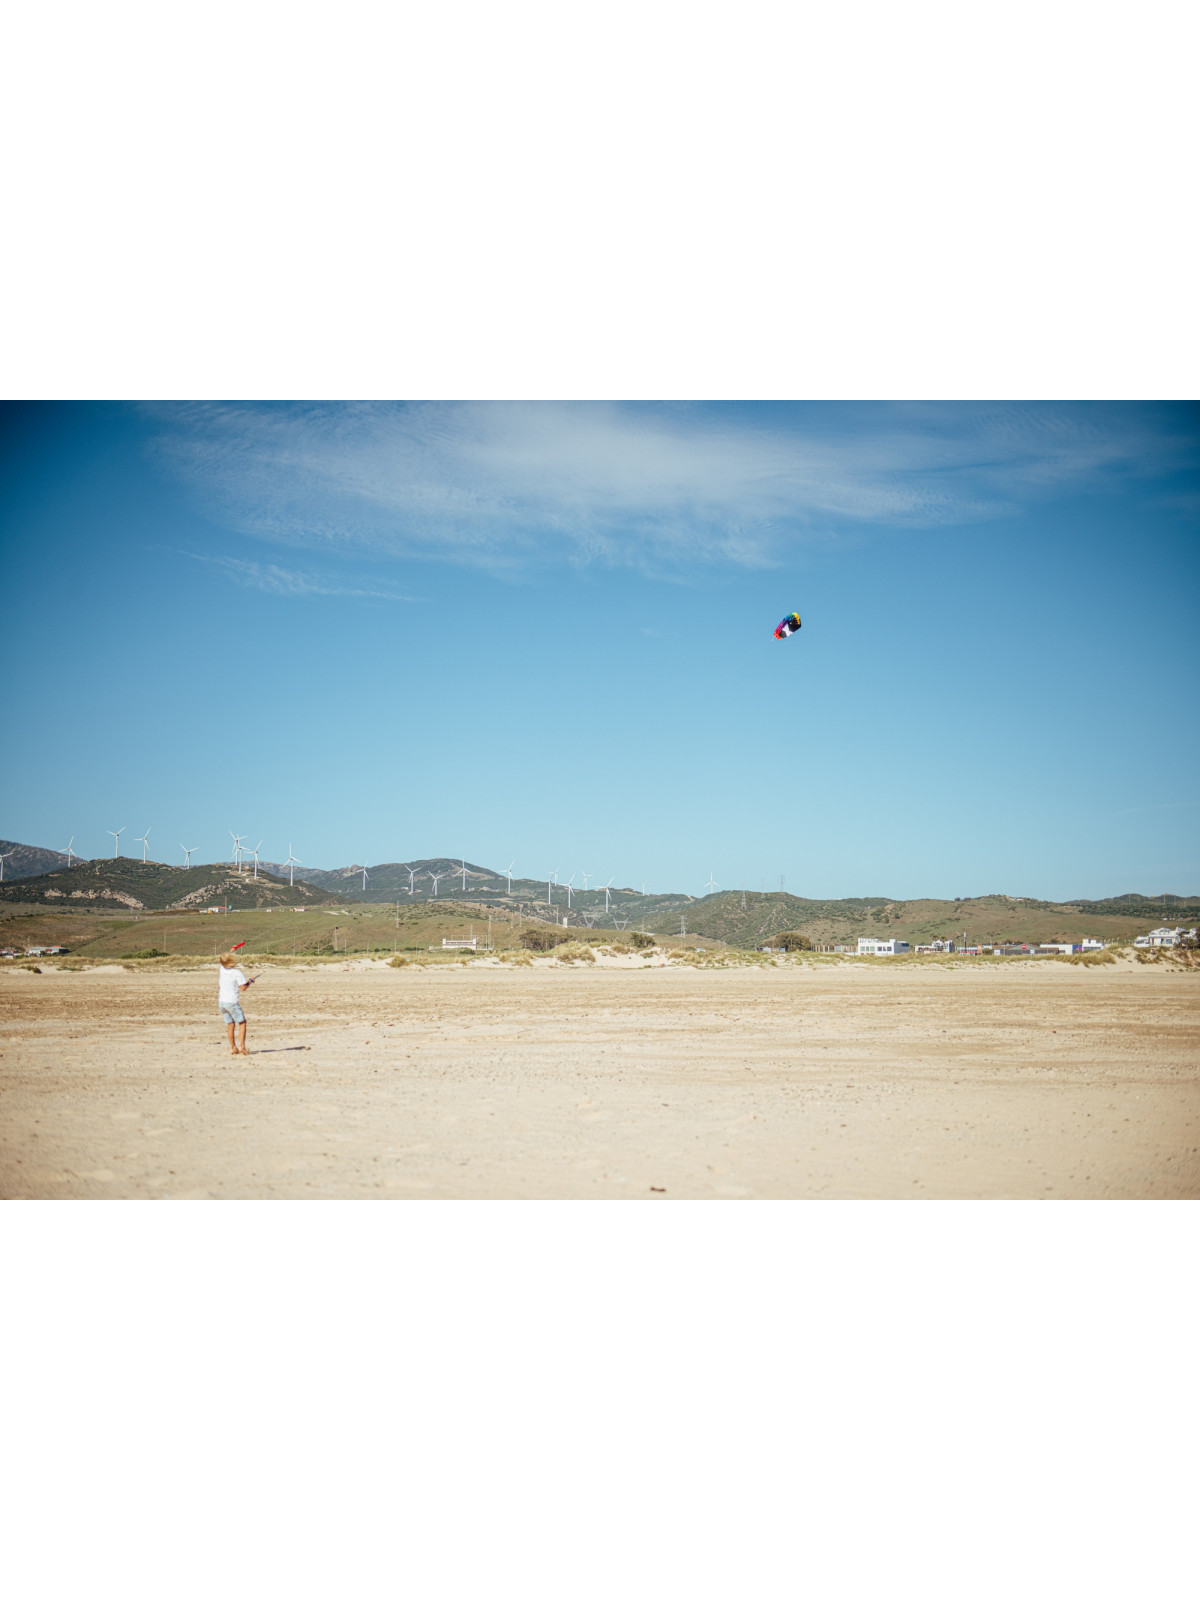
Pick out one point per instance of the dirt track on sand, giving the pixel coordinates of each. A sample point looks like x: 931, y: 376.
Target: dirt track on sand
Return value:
x: 1019, y: 1082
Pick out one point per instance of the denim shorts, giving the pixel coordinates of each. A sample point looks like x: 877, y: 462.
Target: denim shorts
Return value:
x: 233, y: 1013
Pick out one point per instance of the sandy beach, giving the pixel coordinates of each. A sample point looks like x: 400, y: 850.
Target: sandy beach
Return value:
x: 1027, y: 1081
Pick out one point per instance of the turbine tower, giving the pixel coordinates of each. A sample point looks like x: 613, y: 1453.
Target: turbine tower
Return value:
x: 411, y: 878
x: 585, y: 876
x: 570, y: 881
x: 116, y: 840
x: 254, y: 852
x: 3, y: 859
x: 463, y: 869
x: 508, y: 872
x: 364, y: 873
x: 144, y: 840
x: 605, y: 887
x: 437, y: 878
x: 710, y: 885
x: 70, y: 842
x: 188, y: 851
x: 237, y: 848
x: 291, y: 864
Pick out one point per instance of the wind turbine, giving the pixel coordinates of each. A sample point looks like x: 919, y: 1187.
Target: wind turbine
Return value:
x: 237, y: 848
x: 463, y: 869
x: 710, y: 885
x: 437, y: 877
x: 291, y: 864
x: 549, y: 897
x: 70, y: 842
x: 570, y: 881
x: 144, y: 840
x: 364, y: 873
x: 254, y: 853
x: 508, y: 872
x: 188, y: 851
x: 411, y: 878
x: 117, y: 839
x: 3, y: 859
x: 585, y: 876
x: 605, y: 887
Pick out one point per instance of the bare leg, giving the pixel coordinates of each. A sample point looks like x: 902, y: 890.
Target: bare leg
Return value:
x: 242, y: 1039
x: 229, y: 1030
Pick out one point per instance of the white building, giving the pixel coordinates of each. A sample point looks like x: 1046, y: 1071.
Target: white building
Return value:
x: 884, y: 947
x: 1163, y: 936
x: 1092, y: 944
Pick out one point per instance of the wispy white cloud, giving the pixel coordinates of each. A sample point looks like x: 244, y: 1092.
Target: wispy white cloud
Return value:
x: 273, y: 579
x: 650, y: 486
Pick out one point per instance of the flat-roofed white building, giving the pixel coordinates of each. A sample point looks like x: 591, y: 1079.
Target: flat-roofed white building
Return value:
x: 884, y: 947
x: 1163, y: 936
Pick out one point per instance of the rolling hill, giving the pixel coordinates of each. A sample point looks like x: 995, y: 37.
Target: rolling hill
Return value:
x: 153, y: 886
x: 747, y: 919
x: 739, y: 918
x: 479, y: 885
x: 29, y: 860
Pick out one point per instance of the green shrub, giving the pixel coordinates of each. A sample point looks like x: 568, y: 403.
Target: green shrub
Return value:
x: 143, y: 955
x: 792, y: 941
x: 574, y: 951
x: 542, y: 938
x: 641, y: 941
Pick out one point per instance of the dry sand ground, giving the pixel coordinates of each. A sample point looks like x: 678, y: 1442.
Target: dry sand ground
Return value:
x: 1020, y: 1081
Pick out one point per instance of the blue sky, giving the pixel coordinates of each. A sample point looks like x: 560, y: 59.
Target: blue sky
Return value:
x: 543, y: 632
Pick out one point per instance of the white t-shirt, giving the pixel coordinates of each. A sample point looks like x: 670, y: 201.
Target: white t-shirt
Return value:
x: 232, y: 981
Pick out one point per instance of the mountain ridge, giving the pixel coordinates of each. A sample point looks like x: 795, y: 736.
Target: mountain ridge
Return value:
x: 29, y: 860
x: 112, y: 882
x: 738, y: 917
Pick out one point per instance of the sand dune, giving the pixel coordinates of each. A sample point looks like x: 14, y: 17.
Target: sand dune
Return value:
x: 1025, y: 1081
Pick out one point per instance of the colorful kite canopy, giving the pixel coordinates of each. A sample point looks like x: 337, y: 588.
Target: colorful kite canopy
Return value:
x: 789, y: 625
